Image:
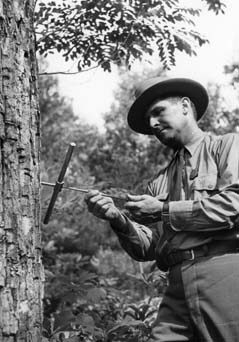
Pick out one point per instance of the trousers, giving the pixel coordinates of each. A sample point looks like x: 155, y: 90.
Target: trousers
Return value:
x: 201, y: 302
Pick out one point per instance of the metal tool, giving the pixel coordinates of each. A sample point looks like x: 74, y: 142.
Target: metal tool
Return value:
x: 59, y: 185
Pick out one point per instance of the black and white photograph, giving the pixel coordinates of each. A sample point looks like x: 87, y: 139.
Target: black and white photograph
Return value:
x: 119, y: 171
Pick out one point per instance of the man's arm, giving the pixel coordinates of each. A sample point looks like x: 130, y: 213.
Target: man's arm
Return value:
x: 220, y: 211
x: 136, y: 239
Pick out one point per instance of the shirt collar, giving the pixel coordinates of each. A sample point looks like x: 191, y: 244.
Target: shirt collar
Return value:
x: 192, y: 146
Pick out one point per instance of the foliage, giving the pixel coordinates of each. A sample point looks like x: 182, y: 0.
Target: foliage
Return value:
x: 56, y: 116
x: 221, y: 116
x: 104, y: 32
x: 59, y: 127
x: 124, y: 158
x: 94, y: 291
x: 215, y: 5
x: 86, y: 302
x: 90, y: 288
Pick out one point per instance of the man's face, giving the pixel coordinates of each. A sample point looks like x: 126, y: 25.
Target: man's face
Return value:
x: 166, y: 120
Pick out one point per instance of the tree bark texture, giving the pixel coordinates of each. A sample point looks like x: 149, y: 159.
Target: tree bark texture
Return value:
x: 21, y: 272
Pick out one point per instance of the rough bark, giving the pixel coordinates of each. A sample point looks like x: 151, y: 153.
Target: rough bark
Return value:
x: 21, y: 273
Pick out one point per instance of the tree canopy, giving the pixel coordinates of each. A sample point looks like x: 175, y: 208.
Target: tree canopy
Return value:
x: 102, y: 32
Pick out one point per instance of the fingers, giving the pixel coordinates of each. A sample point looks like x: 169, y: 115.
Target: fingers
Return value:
x: 139, y: 206
x: 102, y: 211
x: 135, y: 201
x: 136, y: 198
x: 90, y: 194
x: 132, y: 205
x: 99, y: 205
x: 95, y: 199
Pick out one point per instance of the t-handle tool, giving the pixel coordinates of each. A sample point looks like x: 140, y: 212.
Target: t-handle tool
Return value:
x: 59, y: 185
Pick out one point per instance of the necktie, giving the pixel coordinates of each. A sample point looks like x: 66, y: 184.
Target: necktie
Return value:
x: 176, y: 180
x: 164, y: 248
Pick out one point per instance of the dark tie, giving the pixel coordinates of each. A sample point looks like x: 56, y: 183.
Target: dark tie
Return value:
x: 164, y: 247
x: 176, y: 180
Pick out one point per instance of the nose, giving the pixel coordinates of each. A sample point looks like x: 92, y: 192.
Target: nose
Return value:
x: 154, y: 122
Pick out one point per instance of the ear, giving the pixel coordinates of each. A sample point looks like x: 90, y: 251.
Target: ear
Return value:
x: 186, y: 104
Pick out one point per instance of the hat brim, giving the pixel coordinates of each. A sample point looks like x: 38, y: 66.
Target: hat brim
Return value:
x: 172, y: 87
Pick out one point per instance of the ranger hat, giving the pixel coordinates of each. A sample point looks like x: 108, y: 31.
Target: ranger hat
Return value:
x: 152, y: 89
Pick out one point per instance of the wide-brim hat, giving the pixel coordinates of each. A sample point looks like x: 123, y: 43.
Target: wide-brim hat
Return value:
x: 155, y: 88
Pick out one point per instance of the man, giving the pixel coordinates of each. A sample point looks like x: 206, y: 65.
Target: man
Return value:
x: 189, y: 219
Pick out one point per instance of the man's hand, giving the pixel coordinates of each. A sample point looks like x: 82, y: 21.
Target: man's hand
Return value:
x: 144, y: 208
x: 101, y: 206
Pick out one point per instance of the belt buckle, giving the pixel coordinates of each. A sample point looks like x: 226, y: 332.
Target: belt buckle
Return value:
x: 192, y: 254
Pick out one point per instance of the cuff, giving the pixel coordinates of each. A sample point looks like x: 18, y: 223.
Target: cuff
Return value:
x: 180, y: 215
x: 123, y: 231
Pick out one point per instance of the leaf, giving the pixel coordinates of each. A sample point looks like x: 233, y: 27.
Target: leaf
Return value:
x: 95, y: 295
x: 116, y: 32
x: 125, y: 325
x: 63, y: 319
x: 72, y: 339
x: 85, y: 320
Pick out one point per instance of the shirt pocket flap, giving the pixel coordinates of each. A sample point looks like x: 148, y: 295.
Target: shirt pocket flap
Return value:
x: 205, y: 182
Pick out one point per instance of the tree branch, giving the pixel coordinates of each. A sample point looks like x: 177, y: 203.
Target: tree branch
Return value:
x: 66, y: 72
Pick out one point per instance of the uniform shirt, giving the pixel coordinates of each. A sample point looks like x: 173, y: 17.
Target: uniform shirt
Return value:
x: 209, y: 209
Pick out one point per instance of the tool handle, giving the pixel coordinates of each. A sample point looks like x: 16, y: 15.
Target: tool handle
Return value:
x: 118, y: 195
x: 57, y: 189
x: 59, y: 184
x: 66, y: 162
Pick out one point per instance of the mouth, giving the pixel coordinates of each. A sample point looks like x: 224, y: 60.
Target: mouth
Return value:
x: 158, y: 131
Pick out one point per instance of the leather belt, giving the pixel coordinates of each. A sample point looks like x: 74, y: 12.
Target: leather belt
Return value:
x: 210, y: 249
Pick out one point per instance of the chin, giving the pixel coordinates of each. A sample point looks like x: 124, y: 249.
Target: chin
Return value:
x: 169, y: 141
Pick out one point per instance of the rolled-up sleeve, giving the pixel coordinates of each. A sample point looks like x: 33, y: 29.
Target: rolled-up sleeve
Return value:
x: 221, y: 210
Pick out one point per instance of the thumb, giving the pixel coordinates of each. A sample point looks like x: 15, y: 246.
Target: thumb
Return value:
x: 135, y: 198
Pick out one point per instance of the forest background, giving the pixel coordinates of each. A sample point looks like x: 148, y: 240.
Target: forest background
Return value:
x: 93, y: 290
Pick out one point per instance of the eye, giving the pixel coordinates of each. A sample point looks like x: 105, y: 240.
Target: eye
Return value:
x: 157, y: 112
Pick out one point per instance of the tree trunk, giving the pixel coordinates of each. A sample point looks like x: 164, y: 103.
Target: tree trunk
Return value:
x: 21, y: 272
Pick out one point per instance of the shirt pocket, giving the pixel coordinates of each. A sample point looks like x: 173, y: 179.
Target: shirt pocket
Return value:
x: 205, y: 185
